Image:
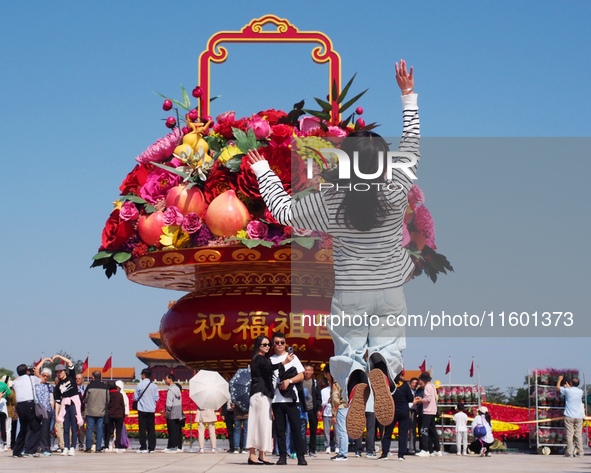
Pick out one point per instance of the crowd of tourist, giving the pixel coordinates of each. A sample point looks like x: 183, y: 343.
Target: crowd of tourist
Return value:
x: 288, y: 399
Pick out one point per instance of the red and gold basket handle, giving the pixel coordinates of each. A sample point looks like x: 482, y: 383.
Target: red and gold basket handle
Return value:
x: 285, y: 33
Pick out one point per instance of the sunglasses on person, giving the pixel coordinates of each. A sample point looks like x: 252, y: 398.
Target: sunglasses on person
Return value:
x: 280, y: 342
x: 265, y: 344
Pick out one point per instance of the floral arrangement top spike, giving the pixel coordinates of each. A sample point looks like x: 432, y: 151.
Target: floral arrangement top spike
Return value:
x: 192, y: 187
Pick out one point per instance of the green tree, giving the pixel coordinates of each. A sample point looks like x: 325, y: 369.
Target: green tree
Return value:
x: 6, y: 371
x: 57, y: 361
x: 495, y: 395
x: 519, y: 398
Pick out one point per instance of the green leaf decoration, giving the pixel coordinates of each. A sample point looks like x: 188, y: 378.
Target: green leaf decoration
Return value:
x: 345, y: 90
x: 149, y: 209
x: 133, y: 198
x: 172, y: 170
x: 346, y: 105
x: 214, y: 98
x: 333, y: 92
x: 178, y: 104
x: 98, y: 262
x: 186, y: 98
x: 317, y: 114
x: 245, y: 141
x: 234, y: 164
x: 306, y: 242
x: 299, y: 105
x: 323, y: 104
x: 102, y: 254
x: 349, y: 119
x: 122, y: 256
x: 213, y: 142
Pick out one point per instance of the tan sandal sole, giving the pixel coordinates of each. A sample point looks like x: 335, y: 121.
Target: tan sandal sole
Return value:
x: 383, y: 402
x: 356, y: 413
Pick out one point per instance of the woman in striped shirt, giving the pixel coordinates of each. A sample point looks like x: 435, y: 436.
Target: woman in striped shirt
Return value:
x: 365, y: 218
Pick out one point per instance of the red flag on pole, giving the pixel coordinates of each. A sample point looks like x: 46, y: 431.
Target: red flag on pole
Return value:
x: 107, y: 366
x: 448, y: 367
x: 37, y: 362
x: 423, y: 366
x: 85, y: 365
x: 472, y: 369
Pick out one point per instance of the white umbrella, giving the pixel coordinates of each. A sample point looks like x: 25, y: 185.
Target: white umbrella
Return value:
x: 209, y: 390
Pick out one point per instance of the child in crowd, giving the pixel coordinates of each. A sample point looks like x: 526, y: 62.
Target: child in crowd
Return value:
x: 461, y: 420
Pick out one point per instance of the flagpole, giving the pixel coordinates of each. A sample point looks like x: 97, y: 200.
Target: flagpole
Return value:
x: 478, y: 381
x: 449, y: 374
x: 111, y: 366
x: 88, y: 367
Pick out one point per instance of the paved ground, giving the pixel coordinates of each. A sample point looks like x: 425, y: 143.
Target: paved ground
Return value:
x: 132, y: 462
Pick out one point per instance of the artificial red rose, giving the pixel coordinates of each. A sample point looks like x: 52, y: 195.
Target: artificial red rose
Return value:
x: 281, y: 133
x: 269, y: 217
x: 224, y: 127
x: 220, y: 180
x: 116, y: 232
x: 299, y: 177
x: 135, y: 179
x: 247, y: 182
x: 273, y: 116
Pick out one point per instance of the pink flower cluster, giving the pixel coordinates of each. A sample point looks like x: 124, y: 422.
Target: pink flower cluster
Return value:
x: 162, y: 149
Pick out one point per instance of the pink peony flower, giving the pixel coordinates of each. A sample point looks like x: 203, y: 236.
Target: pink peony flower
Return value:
x: 173, y: 216
x: 415, y: 196
x: 257, y: 230
x: 423, y: 222
x: 308, y: 124
x: 157, y: 185
x: 162, y: 149
x: 226, y: 116
x: 260, y: 126
x: 191, y: 223
x: 301, y: 232
x: 336, y: 131
x: 129, y: 211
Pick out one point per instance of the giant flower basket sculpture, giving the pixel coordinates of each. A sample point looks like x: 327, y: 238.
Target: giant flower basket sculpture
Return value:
x: 190, y: 217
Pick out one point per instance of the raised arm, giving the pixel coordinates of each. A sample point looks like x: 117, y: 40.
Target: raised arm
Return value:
x: 309, y: 212
x: 411, y: 132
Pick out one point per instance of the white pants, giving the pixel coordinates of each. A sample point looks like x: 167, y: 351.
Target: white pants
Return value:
x: 365, y: 332
x: 462, y: 441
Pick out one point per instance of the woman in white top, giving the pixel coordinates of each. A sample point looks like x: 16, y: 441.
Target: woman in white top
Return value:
x: 482, y: 445
x: 369, y: 262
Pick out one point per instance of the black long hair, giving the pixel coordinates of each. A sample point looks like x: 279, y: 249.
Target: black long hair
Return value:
x: 257, y: 345
x: 363, y: 210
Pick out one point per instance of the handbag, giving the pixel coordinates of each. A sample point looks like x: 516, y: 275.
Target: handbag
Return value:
x: 40, y: 411
x: 479, y: 431
x: 134, y: 403
x: 124, y: 438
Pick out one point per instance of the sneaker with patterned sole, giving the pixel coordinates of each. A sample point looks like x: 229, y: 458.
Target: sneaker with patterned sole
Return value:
x: 356, y: 413
x: 383, y: 402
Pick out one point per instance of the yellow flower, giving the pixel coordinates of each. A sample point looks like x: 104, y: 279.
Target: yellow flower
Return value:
x: 242, y: 234
x: 117, y: 204
x: 228, y: 153
x: 173, y: 237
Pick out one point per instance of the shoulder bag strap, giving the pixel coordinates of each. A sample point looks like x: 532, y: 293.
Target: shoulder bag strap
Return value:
x: 145, y: 389
x: 33, y: 389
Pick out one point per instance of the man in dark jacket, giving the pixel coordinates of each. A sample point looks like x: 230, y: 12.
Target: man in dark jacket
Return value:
x: 313, y: 405
x: 96, y: 400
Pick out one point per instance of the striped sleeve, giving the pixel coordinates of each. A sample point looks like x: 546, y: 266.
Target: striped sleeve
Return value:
x: 309, y: 212
x: 409, y: 143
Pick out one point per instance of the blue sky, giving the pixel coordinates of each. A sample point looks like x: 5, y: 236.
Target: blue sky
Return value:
x: 76, y: 88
